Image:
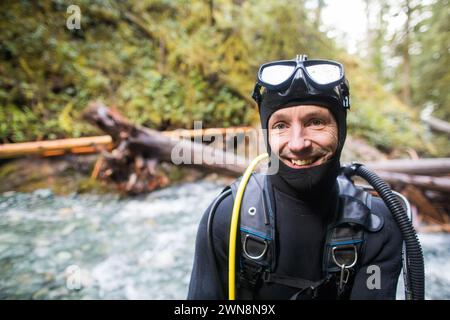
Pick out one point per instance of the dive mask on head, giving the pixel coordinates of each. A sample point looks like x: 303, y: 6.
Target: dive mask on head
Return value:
x: 320, y: 77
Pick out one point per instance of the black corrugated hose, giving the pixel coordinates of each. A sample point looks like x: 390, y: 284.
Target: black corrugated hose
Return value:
x: 414, y: 253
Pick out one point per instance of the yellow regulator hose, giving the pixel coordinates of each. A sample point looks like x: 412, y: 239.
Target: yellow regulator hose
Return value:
x: 234, y: 225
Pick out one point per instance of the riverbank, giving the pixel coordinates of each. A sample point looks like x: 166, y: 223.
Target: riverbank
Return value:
x: 62, y: 175
x: 69, y: 174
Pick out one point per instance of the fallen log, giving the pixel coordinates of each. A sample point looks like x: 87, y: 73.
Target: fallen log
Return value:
x: 132, y: 164
x: 425, y: 182
x: 435, y: 166
x: 437, y: 124
x: 153, y: 144
x: 95, y: 144
x: 56, y: 147
x: 427, y: 210
x: 206, y: 132
x: 434, y: 228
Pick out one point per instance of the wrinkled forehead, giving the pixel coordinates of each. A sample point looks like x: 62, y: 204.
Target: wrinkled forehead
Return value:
x: 300, y: 112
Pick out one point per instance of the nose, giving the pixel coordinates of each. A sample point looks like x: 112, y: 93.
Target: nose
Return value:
x: 298, y: 142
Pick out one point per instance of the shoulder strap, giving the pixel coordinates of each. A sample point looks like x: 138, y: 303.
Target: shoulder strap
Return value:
x: 344, y: 246
x: 257, y: 234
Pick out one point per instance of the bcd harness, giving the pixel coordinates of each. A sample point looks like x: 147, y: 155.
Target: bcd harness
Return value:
x: 343, y: 247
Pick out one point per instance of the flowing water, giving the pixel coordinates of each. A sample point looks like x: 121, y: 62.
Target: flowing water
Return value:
x: 103, y: 247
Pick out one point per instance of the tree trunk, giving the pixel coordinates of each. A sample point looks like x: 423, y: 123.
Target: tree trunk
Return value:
x: 437, y: 124
x: 318, y: 17
x: 406, y: 88
x: 425, y: 182
x: 436, y: 166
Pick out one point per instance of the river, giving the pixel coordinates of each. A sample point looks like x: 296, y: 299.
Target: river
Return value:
x: 104, y: 247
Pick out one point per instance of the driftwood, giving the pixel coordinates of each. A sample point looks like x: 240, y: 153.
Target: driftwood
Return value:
x: 434, y: 228
x: 56, y: 147
x: 156, y: 145
x: 429, y: 212
x: 436, y: 166
x: 429, y: 195
x: 426, y: 182
x: 206, y: 132
x: 96, y: 144
x: 132, y: 163
x: 437, y: 124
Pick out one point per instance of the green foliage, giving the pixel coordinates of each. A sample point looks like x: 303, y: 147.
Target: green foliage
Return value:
x: 165, y: 64
x: 408, y: 49
x: 431, y: 79
x: 380, y: 117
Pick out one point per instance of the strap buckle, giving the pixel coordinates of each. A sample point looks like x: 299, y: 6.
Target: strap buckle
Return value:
x: 345, y: 272
x: 250, y: 274
x: 254, y: 257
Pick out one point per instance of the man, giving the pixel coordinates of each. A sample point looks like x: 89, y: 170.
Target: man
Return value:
x: 322, y: 238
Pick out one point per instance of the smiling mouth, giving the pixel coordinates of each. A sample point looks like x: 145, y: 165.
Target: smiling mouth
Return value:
x: 302, y: 163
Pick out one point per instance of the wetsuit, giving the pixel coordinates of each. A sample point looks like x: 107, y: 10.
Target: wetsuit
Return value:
x: 301, y: 230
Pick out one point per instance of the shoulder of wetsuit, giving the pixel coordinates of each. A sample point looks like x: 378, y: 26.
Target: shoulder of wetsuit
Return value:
x: 220, y: 218
x: 224, y: 206
x: 257, y: 178
x: 380, y: 208
x: 356, y: 206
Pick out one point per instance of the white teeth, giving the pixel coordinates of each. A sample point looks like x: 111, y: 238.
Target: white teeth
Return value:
x: 301, y: 162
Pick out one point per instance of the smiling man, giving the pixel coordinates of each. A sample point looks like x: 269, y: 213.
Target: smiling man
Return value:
x: 306, y: 232
x: 304, y: 136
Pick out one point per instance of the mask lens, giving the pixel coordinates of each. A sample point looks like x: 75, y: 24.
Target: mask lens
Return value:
x: 324, y: 73
x: 276, y: 74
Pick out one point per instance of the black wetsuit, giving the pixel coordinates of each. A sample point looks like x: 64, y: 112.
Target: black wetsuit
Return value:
x: 301, y: 231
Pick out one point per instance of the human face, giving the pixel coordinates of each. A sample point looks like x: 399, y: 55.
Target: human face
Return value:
x: 303, y: 136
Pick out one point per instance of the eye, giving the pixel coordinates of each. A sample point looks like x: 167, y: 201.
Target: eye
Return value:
x: 279, y: 126
x: 317, y: 122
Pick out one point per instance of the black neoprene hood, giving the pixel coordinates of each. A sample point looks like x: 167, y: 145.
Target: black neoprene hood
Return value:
x: 316, y: 179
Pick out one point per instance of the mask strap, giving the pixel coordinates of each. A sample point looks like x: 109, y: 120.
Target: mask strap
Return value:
x: 257, y: 93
